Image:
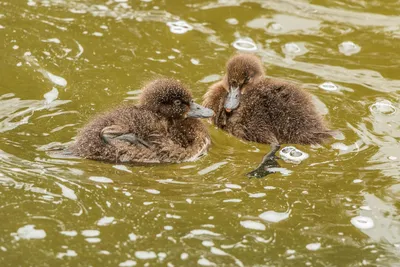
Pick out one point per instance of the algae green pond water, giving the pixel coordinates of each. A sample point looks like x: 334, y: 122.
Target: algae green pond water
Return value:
x: 62, y: 61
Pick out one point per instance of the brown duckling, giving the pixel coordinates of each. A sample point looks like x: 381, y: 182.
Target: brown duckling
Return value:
x: 263, y: 110
x: 163, y: 127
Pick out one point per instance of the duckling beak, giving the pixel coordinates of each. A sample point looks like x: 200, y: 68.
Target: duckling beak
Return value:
x: 198, y: 111
x: 232, y: 100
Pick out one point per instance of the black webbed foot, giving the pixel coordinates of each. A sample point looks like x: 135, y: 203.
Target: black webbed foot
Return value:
x: 269, y: 161
x: 116, y: 132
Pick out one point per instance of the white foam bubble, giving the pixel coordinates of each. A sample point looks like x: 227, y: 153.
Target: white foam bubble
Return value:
x: 205, y: 262
x: 357, y: 181
x: 195, y: 61
x: 293, y: 155
x: 253, y: 225
x: 257, y: 195
x: 128, y: 263
x: 232, y: 21
x: 349, y: 48
x: 105, y: 221
x: 132, y: 237
x: 232, y: 200
x: 207, y: 243
x: 100, y: 179
x: 184, y: 256
x: 291, y: 48
x: 313, y: 246
x: 273, y: 216
x: 52, y: 40
x: 68, y: 253
x: 54, y: 78
x: 269, y: 187
x: 29, y: 232
x: 152, y: 191
x: 69, y: 233
x: 90, y: 233
x: 329, y: 86
x: 203, y: 232
x: 179, y: 27
x: 93, y: 240
x: 98, y: 34
x: 145, y: 255
x: 384, y: 107
x: 233, y: 186
x: 217, y: 251
x: 244, y: 45
x: 362, y: 222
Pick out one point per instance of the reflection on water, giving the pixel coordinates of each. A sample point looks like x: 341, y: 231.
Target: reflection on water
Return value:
x: 63, y: 61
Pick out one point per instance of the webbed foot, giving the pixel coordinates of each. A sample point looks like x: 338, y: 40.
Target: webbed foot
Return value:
x: 268, y: 161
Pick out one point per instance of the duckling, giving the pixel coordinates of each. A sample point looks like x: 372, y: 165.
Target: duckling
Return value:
x: 163, y: 128
x: 255, y: 108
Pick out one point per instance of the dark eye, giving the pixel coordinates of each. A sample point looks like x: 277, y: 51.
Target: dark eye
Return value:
x: 177, y: 102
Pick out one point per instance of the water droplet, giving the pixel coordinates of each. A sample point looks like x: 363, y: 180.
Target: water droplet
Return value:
x: 152, y: 191
x: 329, y: 86
x: 253, y: 225
x: 105, y: 221
x: 357, y: 181
x: 184, y: 256
x: 90, y: 233
x: 232, y: 21
x: 128, y: 263
x: 349, y: 48
x: 362, y: 222
x: 145, y: 255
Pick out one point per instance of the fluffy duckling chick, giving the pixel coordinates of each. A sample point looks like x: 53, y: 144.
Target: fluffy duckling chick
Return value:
x: 164, y: 127
x: 263, y: 110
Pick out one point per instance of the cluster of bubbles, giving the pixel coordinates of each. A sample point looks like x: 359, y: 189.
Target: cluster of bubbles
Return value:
x: 293, y: 155
x: 179, y: 27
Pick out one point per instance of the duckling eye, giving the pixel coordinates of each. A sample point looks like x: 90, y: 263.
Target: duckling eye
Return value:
x: 177, y: 102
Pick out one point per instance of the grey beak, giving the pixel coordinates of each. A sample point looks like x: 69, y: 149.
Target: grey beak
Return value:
x: 232, y: 100
x: 198, y: 111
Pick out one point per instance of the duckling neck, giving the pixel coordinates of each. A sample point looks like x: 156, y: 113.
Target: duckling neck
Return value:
x: 183, y: 131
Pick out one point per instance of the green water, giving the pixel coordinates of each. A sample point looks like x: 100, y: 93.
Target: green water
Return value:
x: 206, y: 213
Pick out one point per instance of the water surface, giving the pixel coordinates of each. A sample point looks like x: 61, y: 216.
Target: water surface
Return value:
x: 62, y: 61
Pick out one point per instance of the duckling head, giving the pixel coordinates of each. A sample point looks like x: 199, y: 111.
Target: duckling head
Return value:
x: 171, y: 99
x: 242, y: 71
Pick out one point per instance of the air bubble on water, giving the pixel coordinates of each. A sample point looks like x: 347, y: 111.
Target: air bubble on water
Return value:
x: 329, y: 86
x: 51, y: 95
x: 105, y: 221
x: 93, y: 240
x: 217, y: 251
x: 184, y: 256
x: 232, y: 21
x: 69, y: 253
x: 349, y: 48
x: 384, y: 107
x: 179, y: 27
x: 207, y: 243
x: 232, y: 200
x: 273, y: 216
x: 245, y: 44
x: 29, y: 232
x: 205, y: 262
x: 152, y: 191
x: 145, y: 255
x: 269, y: 187
x: 99, y: 34
x: 203, y: 232
x: 52, y: 40
x: 69, y: 233
x: 128, y: 263
x: 15, y: 47
x: 195, y: 61
x: 313, y: 246
x: 233, y: 186
x: 257, y: 195
x: 290, y: 251
x: 168, y: 227
x: 291, y: 48
x: 253, y: 225
x: 100, y: 179
x: 90, y: 233
x: 392, y: 157
x: 293, y: 155
x: 357, y: 181
x: 362, y: 222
